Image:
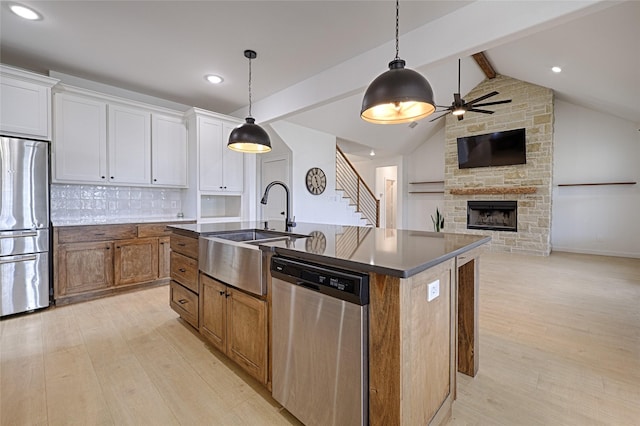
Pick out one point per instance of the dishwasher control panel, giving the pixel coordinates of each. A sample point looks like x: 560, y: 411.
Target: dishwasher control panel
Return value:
x: 350, y: 286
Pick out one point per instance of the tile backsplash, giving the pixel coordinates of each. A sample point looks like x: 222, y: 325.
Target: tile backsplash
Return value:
x: 94, y: 202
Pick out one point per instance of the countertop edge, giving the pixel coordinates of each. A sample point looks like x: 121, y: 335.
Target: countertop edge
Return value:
x: 64, y: 223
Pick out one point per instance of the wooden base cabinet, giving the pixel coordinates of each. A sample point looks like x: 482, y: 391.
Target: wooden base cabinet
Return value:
x: 97, y: 260
x: 164, y: 257
x: 236, y: 324
x: 185, y: 288
x: 84, y: 267
x: 136, y: 260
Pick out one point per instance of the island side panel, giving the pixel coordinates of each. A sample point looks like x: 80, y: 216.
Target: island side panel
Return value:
x: 384, y: 350
x: 411, y: 348
x: 428, y: 347
x: 468, y: 335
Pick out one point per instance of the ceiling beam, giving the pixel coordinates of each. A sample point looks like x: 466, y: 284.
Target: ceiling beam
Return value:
x: 484, y: 64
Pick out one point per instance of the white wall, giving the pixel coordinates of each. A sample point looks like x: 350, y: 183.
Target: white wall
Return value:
x: 426, y: 163
x: 311, y: 148
x: 592, y: 147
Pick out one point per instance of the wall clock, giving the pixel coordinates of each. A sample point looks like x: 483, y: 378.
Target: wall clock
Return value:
x: 316, y: 243
x: 316, y: 181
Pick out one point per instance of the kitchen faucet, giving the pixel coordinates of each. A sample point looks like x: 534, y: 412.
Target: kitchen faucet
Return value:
x: 289, y: 223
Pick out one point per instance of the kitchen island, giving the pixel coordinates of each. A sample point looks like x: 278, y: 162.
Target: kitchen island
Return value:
x: 422, y: 307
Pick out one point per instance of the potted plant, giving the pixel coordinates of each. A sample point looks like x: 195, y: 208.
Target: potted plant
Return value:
x: 438, y: 221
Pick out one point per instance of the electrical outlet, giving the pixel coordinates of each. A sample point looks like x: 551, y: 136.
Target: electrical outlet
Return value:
x: 434, y: 290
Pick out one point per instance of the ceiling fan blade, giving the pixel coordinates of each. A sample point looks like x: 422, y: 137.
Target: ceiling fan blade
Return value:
x: 440, y: 116
x: 482, y: 98
x: 493, y: 103
x: 447, y: 107
x: 484, y: 111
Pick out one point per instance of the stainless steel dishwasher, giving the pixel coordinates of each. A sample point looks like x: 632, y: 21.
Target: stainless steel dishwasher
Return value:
x: 319, y: 341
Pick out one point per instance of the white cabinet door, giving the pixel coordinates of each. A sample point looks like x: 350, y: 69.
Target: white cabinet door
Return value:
x: 221, y: 169
x: 233, y: 163
x: 24, y: 108
x: 168, y: 151
x: 80, y: 139
x: 210, y: 161
x: 129, y: 145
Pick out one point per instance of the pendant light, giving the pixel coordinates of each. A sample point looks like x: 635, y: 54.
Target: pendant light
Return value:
x: 249, y: 137
x: 399, y: 95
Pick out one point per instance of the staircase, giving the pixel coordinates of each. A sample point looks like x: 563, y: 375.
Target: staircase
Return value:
x: 356, y: 190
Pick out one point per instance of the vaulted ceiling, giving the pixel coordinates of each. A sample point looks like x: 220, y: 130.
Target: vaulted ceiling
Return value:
x: 315, y: 58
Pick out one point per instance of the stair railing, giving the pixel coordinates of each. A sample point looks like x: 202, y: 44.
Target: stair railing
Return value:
x: 349, y: 181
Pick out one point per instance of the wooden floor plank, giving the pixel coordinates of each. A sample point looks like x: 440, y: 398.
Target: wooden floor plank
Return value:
x: 22, y: 383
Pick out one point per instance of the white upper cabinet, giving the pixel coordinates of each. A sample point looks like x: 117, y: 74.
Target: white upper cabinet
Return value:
x: 129, y: 145
x: 25, y: 103
x: 168, y: 151
x: 80, y: 139
x: 102, y: 139
x: 220, y: 169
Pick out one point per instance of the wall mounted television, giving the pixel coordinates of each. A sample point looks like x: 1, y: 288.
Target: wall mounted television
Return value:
x: 492, y: 149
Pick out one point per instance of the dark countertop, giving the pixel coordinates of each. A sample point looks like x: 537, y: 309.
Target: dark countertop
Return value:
x: 396, y: 252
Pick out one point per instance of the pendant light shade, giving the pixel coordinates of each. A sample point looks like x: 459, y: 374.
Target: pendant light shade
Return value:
x: 249, y: 137
x: 399, y: 95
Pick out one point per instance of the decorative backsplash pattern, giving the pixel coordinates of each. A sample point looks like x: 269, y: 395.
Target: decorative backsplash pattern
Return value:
x: 93, y: 202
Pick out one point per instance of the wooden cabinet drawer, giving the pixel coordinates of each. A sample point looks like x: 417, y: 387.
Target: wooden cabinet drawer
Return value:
x: 74, y: 234
x: 185, y: 271
x: 153, y: 230
x: 185, y: 245
x: 185, y: 303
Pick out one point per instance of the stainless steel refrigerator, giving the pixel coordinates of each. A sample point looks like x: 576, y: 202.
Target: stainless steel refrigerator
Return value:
x: 24, y: 225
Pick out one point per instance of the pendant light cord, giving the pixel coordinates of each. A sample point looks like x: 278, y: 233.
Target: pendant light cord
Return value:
x: 249, y: 87
x: 397, y: 29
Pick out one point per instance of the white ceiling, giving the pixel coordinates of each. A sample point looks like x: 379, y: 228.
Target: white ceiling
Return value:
x: 315, y: 58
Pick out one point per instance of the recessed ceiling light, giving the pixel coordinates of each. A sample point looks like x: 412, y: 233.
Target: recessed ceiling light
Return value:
x: 25, y: 12
x: 213, y: 79
x: 556, y: 69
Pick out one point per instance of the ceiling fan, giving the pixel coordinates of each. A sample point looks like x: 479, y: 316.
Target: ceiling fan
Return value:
x: 459, y: 106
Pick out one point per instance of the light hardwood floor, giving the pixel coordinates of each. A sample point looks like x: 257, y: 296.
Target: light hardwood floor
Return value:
x: 559, y: 345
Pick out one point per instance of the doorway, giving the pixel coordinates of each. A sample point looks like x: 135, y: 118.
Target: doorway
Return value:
x: 387, y: 189
x: 390, y: 206
x: 274, y: 168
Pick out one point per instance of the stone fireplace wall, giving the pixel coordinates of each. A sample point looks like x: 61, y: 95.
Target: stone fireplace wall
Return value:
x: 528, y: 184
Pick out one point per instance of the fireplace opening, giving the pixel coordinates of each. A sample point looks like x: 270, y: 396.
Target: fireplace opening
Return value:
x: 493, y: 215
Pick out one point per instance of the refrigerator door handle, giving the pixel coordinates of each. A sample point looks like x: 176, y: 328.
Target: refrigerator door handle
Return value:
x: 13, y: 234
x: 14, y: 259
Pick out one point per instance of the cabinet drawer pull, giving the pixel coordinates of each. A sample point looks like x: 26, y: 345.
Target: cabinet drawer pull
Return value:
x: 98, y: 234
x: 183, y: 301
x: 222, y: 292
x: 181, y: 244
x: 182, y: 270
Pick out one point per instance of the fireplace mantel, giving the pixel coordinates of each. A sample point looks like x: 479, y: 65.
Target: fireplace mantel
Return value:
x: 496, y: 190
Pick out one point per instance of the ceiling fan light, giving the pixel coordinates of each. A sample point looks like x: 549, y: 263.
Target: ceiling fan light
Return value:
x: 399, y: 95
x: 458, y: 111
x: 249, y: 137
